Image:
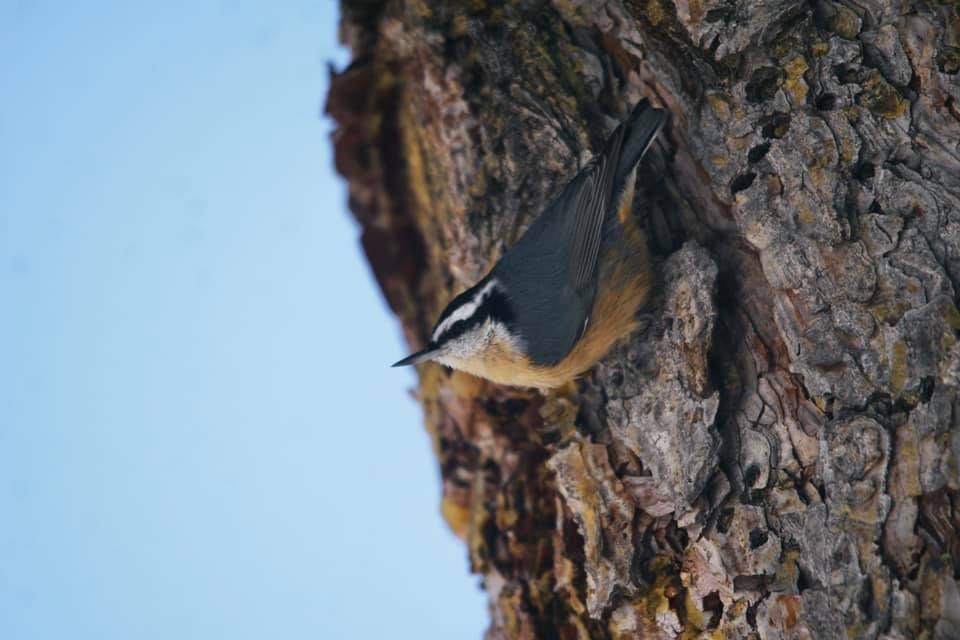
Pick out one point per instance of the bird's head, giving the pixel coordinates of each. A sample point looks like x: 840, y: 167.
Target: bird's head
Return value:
x: 473, y: 321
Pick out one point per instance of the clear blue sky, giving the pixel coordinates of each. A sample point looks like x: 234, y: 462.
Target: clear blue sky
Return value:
x: 200, y: 436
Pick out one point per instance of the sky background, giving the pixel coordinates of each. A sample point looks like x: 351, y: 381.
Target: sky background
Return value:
x: 200, y: 435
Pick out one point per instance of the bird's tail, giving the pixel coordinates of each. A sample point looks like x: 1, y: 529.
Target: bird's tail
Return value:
x: 641, y: 128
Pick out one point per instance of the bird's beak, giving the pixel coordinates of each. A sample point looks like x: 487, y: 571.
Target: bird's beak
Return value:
x: 417, y: 358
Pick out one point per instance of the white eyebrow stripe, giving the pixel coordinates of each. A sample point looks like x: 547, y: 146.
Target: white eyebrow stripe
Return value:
x: 465, y: 311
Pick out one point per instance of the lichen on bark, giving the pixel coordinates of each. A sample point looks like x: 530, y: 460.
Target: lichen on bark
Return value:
x: 774, y: 454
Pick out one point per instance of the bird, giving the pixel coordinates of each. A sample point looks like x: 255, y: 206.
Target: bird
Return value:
x: 569, y: 289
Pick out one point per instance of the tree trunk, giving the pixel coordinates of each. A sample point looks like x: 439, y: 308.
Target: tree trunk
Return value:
x: 775, y: 453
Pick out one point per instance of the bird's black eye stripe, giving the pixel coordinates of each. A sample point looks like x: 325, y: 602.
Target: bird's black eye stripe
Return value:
x: 498, y: 307
x: 494, y: 306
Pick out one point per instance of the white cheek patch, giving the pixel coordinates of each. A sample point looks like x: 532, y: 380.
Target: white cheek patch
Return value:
x: 464, y: 311
x: 463, y: 350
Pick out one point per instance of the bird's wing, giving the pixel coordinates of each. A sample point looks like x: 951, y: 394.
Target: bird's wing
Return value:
x: 551, y: 270
x: 590, y: 194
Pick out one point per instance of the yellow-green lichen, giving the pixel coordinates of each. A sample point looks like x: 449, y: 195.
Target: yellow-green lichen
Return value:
x: 666, y: 584
x: 654, y: 12
x: 552, y: 66
x: 953, y: 317
x: 570, y: 11
x: 848, y: 150
x: 898, y: 366
x: 845, y: 23
x: 890, y: 312
x: 947, y: 341
x: 881, y: 97
x: 788, y: 573
x: 422, y: 9
x: 719, y: 103
x: 458, y: 26
x: 431, y: 379
x: 456, y: 515
x: 694, y: 616
x: 910, y: 398
x: 416, y: 175
x: 479, y: 516
x: 784, y: 47
x: 806, y: 216
x: 559, y: 414
x: 505, y: 515
x: 819, y: 49
x: 821, y: 403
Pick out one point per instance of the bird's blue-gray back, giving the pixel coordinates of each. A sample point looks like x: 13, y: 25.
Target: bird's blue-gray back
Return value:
x: 554, y: 265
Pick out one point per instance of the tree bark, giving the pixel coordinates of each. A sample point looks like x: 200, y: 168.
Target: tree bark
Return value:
x: 775, y: 453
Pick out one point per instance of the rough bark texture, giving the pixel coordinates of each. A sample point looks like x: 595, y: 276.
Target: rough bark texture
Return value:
x: 775, y: 455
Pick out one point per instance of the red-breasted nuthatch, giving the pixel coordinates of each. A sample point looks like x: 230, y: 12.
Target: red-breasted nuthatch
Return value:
x: 569, y: 289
